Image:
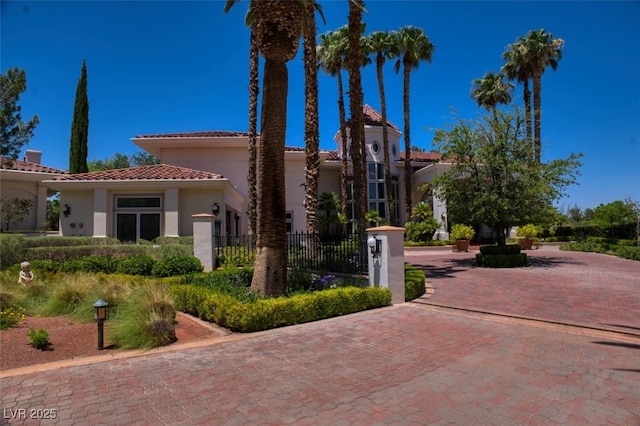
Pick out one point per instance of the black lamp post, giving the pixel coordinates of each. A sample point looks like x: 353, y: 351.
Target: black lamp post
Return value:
x: 100, y: 316
x: 375, y: 245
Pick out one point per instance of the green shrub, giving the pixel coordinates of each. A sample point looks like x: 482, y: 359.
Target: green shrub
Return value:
x: 177, y: 265
x: 527, y: 231
x: 501, y: 260
x: 626, y: 252
x: 171, y: 250
x: 460, y: 231
x: 60, y: 241
x: 185, y: 241
x: 39, y: 339
x: 95, y: 264
x: 141, y: 264
x: 46, y: 266
x: 268, y: 313
x: 12, y: 250
x: 506, y: 249
x: 10, y: 317
x: 236, y: 256
x: 420, y: 231
x: 414, y: 282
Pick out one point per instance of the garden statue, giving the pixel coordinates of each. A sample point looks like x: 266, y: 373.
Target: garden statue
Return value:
x: 26, y: 275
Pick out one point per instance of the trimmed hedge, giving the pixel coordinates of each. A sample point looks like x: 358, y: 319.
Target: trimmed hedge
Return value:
x: 59, y: 241
x: 625, y: 231
x: 414, y: 286
x: 506, y: 249
x: 264, y: 314
x: 501, y: 260
x: 623, y: 251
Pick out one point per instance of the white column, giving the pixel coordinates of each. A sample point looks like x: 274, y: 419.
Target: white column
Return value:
x: 386, y: 269
x: 41, y: 207
x: 100, y: 213
x: 203, y: 240
x: 440, y: 213
x: 171, y: 216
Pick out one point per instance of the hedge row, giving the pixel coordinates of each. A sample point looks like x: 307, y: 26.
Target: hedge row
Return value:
x: 627, y: 231
x: 414, y: 286
x: 506, y: 249
x: 264, y: 314
x: 501, y: 260
x: 623, y: 251
x: 142, y: 265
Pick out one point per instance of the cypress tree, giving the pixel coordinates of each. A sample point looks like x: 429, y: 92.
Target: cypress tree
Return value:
x: 80, y: 127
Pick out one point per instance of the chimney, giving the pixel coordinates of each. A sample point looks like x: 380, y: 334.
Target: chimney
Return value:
x: 33, y: 156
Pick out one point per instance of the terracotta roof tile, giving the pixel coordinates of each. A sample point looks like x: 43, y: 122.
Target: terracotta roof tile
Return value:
x: 423, y: 156
x: 156, y: 172
x: 205, y: 134
x: 373, y: 118
x: 26, y: 166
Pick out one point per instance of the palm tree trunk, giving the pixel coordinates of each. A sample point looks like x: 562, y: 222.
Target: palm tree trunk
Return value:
x: 311, y: 132
x: 385, y: 142
x: 270, y: 272
x: 254, y: 90
x: 527, y: 109
x: 407, y: 143
x: 344, y: 172
x: 536, y: 114
x: 356, y: 122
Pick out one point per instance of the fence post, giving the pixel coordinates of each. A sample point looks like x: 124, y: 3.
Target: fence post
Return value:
x: 203, y: 240
x: 386, y: 268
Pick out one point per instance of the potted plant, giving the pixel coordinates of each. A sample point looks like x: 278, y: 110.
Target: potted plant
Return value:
x: 462, y: 234
x: 527, y: 233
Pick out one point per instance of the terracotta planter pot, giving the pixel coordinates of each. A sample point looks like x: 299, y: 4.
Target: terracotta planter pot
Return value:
x: 462, y: 245
x: 526, y: 243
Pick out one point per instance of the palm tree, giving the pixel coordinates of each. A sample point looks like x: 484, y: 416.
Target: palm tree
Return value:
x: 517, y: 68
x: 311, y: 131
x: 254, y: 90
x: 278, y: 27
x: 331, y: 54
x: 527, y: 59
x: 540, y: 50
x: 491, y: 90
x: 412, y: 46
x: 380, y: 44
x: 356, y: 122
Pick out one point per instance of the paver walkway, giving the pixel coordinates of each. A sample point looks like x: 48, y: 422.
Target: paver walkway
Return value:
x: 407, y: 364
x: 588, y: 289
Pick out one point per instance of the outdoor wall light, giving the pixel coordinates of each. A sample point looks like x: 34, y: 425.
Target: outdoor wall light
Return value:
x: 215, y: 209
x: 375, y: 245
x: 67, y: 210
x: 100, y: 316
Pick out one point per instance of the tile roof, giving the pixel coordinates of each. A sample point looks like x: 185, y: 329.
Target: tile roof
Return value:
x: 205, y: 134
x: 419, y: 157
x: 26, y: 166
x: 373, y: 118
x: 156, y: 172
x: 423, y: 157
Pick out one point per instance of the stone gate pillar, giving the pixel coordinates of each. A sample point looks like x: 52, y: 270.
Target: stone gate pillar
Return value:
x: 203, y: 240
x: 386, y: 268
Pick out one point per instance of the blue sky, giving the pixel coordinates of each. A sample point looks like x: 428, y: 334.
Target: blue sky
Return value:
x: 170, y: 66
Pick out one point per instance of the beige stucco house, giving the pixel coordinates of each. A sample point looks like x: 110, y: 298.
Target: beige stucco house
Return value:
x: 206, y: 172
x: 24, y: 179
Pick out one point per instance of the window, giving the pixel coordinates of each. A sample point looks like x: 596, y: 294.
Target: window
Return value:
x: 289, y: 216
x: 375, y: 147
x: 376, y: 186
x: 138, y: 218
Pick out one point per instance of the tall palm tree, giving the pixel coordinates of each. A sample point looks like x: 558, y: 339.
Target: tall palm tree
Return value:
x: 517, y: 68
x: 356, y: 122
x: 380, y: 44
x: 491, y: 90
x: 311, y: 126
x: 332, y: 52
x: 540, y: 50
x: 412, y: 46
x: 278, y: 27
x: 254, y: 90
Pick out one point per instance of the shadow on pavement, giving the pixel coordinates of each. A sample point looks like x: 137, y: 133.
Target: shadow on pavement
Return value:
x: 551, y: 262
x: 449, y: 271
x: 620, y: 344
x: 622, y: 326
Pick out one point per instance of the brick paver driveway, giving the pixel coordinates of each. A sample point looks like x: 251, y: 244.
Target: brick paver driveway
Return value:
x: 407, y: 364
x: 588, y: 289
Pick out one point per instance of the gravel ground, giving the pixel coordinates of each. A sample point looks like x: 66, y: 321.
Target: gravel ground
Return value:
x: 70, y: 339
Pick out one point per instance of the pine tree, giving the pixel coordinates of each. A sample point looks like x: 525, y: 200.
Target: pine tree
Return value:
x: 80, y: 127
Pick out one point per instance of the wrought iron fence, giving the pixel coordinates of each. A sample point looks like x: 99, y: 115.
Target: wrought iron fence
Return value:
x: 304, y: 250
